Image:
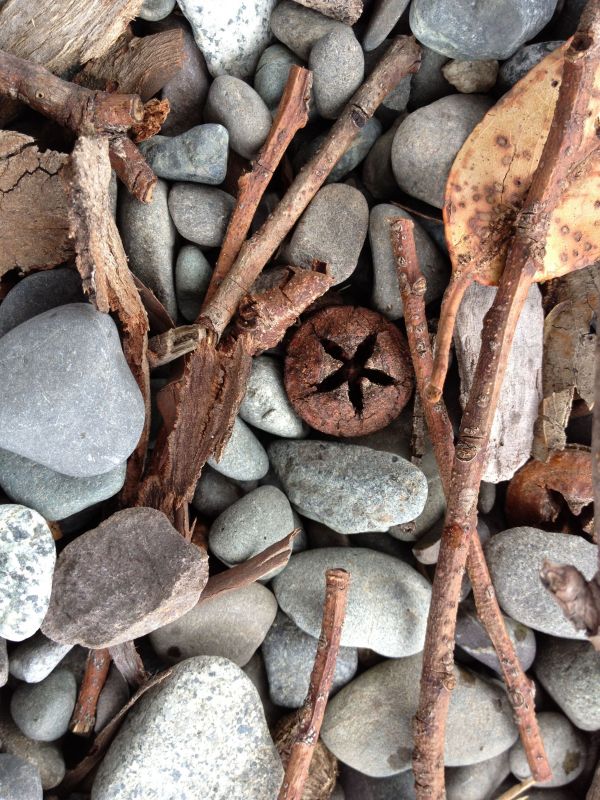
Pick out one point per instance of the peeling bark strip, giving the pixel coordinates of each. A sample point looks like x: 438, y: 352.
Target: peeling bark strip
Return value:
x: 402, y: 58
x: 129, y: 663
x: 565, y: 148
x: 94, y: 678
x: 310, y: 716
x: 102, y: 264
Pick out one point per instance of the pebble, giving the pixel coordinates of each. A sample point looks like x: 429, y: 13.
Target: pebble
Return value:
x: 265, y: 405
x: 289, y: 655
x: 42, y: 710
x: 51, y: 494
x: 467, y: 31
x: 361, y: 787
x: 243, y: 112
x: 350, y: 488
x: 192, y: 276
x: 3, y: 663
x: 255, y: 522
x: 515, y: 558
x: 471, y: 637
x: 68, y: 399
x: 299, y: 28
x: 272, y: 73
x: 231, y: 35
x: 487, y: 497
x: 325, y: 234
x: 114, y: 695
x: 523, y: 60
x: 155, y: 10
x: 386, y: 292
x: 149, y: 241
x: 208, y: 706
x: 383, y: 19
x: 428, y: 140
x: 200, y: 213
x: 198, y: 155
x: 368, y: 724
x: 37, y: 293
x: 429, y: 84
x: 477, y: 781
x: 388, y: 600
x: 471, y: 76
x: 377, y: 174
x: 356, y: 152
x: 566, y: 750
x: 231, y: 625
x: 244, y: 458
x: 214, y: 493
x: 34, y: 660
x: 19, y: 780
x: 111, y: 584
x: 45, y: 757
x: 186, y: 91
x: 338, y: 68
x: 570, y: 673
x: 512, y: 430
x: 27, y: 557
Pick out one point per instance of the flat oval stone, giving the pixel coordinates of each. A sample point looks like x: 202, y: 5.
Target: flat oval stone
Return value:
x: 272, y: 73
x: 19, y: 780
x: 27, y: 558
x: 368, y: 724
x: 214, y: 493
x: 37, y: 293
x: 34, y: 660
x: 67, y: 398
x: 238, y: 107
x: 265, y: 405
x: 565, y: 747
x: 515, y: 558
x: 231, y: 625
x: 192, y: 276
x: 198, y: 155
x: 338, y: 68
x: 382, y: 21
x: 43, y: 710
x: 200, y: 213
x: 244, y: 457
x: 300, y: 28
x: 388, y: 601
x: 123, y: 579
x: 208, y: 706
x: 350, y: 488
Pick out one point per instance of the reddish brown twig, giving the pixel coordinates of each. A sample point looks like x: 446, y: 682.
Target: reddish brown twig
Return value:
x: 292, y: 114
x: 94, y: 678
x: 312, y: 712
x: 563, y: 150
x: 520, y: 689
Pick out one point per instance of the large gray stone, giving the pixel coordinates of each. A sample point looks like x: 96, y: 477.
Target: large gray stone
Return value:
x: 244, y: 458
x: 45, y: 757
x: 34, y: 660
x: 368, y: 724
x: 523, y: 60
x: 477, y: 31
x: 123, y: 579
x: 383, y: 18
x: 338, y: 68
x: 300, y: 28
x: 42, y: 710
x: 198, y: 155
x: 565, y: 747
x: 289, y: 655
x: 149, y: 241
x: 214, y: 493
x: 207, y: 706
x: 570, y: 673
x: 231, y: 625
x: 37, y: 293
x: 515, y: 558
x: 386, y: 292
x: 192, y: 276
x: 200, y: 213
x: 350, y: 488
x: 428, y: 140
x: 272, y: 73
x: 265, y: 405
x: 67, y: 397
x: 51, y: 494
x: 236, y: 105
x: 231, y: 35
x: 27, y: 557
x: 388, y: 600
x: 19, y: 780
x: 477, y: 781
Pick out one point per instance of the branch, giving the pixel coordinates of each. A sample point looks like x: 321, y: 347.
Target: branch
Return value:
x: 94, y: 678
x: 520, y: 689
x: 312, y: 712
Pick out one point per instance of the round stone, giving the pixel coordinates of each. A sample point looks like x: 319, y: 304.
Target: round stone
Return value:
x: 192, y: 276
x: 237, y: 106
x: 198, y: 155
x: 244, y: 458
x: 43, y: 710
x: 265, y: 405
x: 37, y: 293
x: 429, y: 84
x: 300, y: 28
x: 34, y: 660
x: 214, y: 493
x: 360, y: 787
x: 3, y: 663
x: 19, y: 780
x: 155, y: 10
x: 200, y: 213
x: 471, y: 76
x: 338, y: 68
x: 272, y: 73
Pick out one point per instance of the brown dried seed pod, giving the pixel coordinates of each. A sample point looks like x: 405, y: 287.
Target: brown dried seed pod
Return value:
x: 348, y: 371
x: 323, y: 771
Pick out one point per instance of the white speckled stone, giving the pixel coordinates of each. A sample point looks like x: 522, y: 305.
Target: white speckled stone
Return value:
x: 265, y: 405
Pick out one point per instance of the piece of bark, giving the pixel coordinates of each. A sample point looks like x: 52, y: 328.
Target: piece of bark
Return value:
x: 347, y: 11
x: 158, y: 316
x: 102, y: 264
x: 172, y: 344
x: 34, y: 223
x: 94, y: 678
x: 323, y: 770
x: 129, y: 663
x: 155, y: 113
x: 136, y: 65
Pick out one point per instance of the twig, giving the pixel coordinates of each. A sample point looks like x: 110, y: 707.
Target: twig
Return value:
x: 401, y: 59
x: 562, y: 151
x: 520, y: 689
x: 312, y: 712
x: 94, y: 678
x: 292, y: 114
x: 518, y: 790
x: 172, y: 344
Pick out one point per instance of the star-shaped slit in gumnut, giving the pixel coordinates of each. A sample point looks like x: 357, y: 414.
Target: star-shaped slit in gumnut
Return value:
x: 348, y: 371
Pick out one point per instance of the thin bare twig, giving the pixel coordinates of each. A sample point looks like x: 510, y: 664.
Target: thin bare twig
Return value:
x: 94, y: 678
x: 312, y: 712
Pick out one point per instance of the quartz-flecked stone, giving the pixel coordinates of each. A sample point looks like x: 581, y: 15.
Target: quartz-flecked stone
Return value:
x: 200, y: 213
x: 265, y: 405
x: 27, y: 557
x: 236, y: 105
x: 37, y: 293
x: 67, y: 397
x: 19, y: 780
x: 43, y: 710
x: 388, y: 600
x: 200, y: 733
x: 198, y: 155
x: 244, y: 458
x: 34, y: 660
x: 350, y: 488
x: 123, y: 579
